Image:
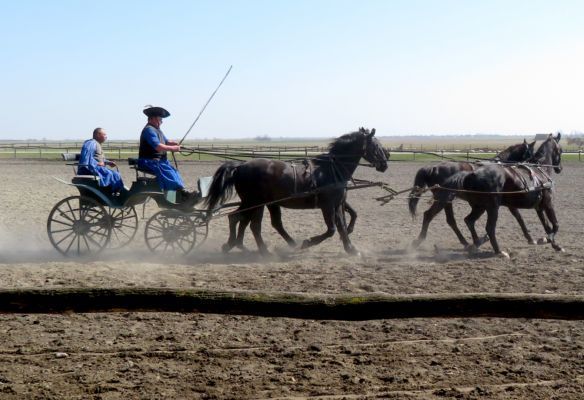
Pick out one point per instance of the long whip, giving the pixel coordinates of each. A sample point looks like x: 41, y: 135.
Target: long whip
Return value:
x: 206, y: 104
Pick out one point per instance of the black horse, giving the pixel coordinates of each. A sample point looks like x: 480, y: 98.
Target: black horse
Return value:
x: 316, y: 183
x: 437, y: 174
x: 519, y: 186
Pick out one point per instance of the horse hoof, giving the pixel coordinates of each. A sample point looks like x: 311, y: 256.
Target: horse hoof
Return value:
x: 472, y: 249
x: 531, y: 241
x: 305, y: 244
x: 559, y: 248
x: 353, y: 251
x: 416, y: 243
x: 543, y: 241
x: 242, y: 248
x: 292, y: 243
x: 504, y: 254
x: 225, y: 248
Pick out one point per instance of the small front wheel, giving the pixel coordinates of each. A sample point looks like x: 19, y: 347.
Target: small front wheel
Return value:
x: 79, y: 226
x: 170, y: 231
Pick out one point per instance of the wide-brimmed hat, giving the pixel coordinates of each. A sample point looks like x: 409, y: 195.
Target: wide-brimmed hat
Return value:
x: 156, y: 112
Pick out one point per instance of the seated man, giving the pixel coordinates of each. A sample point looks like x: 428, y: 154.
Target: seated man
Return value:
x: 152, y: 153
x: 93, y: 162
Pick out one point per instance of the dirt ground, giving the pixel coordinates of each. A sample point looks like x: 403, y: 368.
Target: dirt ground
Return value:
x: 171, y: 355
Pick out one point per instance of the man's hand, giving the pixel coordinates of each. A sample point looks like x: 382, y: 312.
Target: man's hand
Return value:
x: 112, y: 164
x: 172, y: 142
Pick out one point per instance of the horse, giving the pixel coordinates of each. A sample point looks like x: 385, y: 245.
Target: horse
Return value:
x: 518, y: 186
x: 437, y: 174
x: 319, y: 182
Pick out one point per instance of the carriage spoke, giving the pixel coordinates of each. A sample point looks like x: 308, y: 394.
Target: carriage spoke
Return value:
x: 64, y: 215
x: 93, y: 241
x: 86, y: 244
x: 159, y: 243
x: 63, y: 239
x: 60, y: 222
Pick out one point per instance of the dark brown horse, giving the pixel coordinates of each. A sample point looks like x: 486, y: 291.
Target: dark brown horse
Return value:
x: 316, y: 183
x: 520, y: 186
x: 437, y: 174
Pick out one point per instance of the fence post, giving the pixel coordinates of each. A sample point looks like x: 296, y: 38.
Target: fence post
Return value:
x: 119, y: 153
x: 14, y: 152
x: 199, y: 151
x: 467, y: 157
x: 414, y: 153
x: 579, y: 155
x: 40, y: 152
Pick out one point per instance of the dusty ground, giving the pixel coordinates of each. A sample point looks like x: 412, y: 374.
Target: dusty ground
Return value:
x: 152, y: 355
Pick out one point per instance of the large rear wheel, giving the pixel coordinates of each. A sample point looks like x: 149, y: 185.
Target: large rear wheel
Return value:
x: 79, y: 226
x: 170, y: 232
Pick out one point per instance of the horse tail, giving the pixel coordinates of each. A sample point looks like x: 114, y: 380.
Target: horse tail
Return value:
x: 420, y: 182
x: 223, y: 184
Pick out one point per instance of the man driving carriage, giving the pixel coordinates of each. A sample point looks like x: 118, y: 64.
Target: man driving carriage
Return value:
x: 153, y: 150
x: 93, y: 162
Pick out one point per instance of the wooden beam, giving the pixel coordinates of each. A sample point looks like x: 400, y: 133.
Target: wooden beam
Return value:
x: 350, y: 307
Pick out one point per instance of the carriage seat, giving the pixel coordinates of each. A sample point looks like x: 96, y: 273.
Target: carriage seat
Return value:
x: 74, y: 161
x: 71, y: 156
x: 147, y: 175
x: 85, y: 179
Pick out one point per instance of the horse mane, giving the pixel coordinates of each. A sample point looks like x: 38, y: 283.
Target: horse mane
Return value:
x: 346, y: 143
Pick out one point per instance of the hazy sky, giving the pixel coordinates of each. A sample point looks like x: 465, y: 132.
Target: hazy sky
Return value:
x: 300, y: 68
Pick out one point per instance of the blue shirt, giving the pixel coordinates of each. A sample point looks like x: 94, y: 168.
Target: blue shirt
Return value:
x: 151, y: 136
x: 87, y: 159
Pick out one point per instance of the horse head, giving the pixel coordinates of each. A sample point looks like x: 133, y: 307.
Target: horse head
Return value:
x: 517, y: 153
x: 374, y: 151
x: 550, y: 153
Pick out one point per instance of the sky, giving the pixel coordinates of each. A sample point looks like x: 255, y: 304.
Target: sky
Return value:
x: 301, y: 68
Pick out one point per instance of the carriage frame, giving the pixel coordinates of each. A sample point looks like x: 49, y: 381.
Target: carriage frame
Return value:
x: 97, y: 219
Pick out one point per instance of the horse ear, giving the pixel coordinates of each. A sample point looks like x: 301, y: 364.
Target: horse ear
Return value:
x: 524, y: 141
x: 372, y: 132
x: 558, y: 137
x: 362, y: 130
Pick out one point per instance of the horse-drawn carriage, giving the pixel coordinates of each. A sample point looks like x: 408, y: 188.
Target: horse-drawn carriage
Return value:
x: 97, y: 218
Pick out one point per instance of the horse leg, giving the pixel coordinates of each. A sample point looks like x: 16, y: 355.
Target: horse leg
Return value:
x: 328, y: 214
x: 341, y: 224
x: 551, y: 214
x: 546, y: 226
x: 353, y: 215
x: 243, y: 223
x: 519, y: 218
x: 429, y: 215
x: 276, y: 217
x: 231, y: 241
x: 470, y: 221
x: 492, y: 216
x: 256, y: 229
x: 452, y: 222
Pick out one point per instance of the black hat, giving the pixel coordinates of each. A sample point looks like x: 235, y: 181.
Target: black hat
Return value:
x: 156, y: 112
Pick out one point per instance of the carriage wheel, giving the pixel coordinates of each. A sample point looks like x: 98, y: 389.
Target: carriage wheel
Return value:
x: 124, y: 226
x: 79, y: 226
x: 202, y: 228
x: 170, y: 231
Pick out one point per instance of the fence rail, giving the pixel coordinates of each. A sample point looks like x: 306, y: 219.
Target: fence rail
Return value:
x: 118, y: 151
